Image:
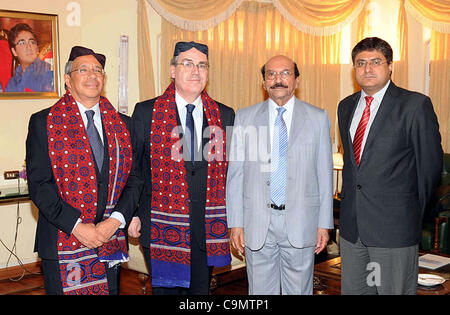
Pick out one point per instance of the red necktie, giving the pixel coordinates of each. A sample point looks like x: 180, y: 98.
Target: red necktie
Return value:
x: 359, y: 134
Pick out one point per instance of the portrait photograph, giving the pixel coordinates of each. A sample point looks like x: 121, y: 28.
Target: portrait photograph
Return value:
x: 28, y: 55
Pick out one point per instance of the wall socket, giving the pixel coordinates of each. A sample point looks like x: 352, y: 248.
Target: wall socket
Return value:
x: 11, y: 174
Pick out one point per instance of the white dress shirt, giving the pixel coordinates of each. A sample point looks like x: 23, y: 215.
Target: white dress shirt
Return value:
x: 287, y: 115
x: 197, y: 114
x: 98, y: 124
x: 374, y: 106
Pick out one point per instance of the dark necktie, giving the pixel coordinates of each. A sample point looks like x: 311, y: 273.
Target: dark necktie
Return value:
x: 94, y: 139
x: 361, y: 129
x: 190, y: 130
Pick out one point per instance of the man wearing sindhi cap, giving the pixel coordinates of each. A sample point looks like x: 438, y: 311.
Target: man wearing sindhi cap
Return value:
x: 83, y: 179
x: 182, y: 208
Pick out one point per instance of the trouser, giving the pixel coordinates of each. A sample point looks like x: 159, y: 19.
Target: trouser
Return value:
x: 377, y: 270
x: 52, y: 277
x: 278, y: 267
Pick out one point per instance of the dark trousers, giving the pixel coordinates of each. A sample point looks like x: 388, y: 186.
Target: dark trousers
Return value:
x: 52, y: 278
x: 200, y: 274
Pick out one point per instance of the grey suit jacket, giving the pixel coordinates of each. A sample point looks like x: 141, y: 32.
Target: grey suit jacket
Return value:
x: 309, y: 167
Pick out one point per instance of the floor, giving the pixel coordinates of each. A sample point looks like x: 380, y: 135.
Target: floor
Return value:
x: 231, y: 283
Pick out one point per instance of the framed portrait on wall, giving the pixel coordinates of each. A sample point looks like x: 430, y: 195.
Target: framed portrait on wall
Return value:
x: 29, y: 62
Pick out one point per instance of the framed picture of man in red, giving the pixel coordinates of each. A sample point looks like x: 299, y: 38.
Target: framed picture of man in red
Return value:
x: 29, y: 63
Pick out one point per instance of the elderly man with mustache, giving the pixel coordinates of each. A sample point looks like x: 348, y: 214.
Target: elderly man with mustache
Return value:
x: 280, y: 209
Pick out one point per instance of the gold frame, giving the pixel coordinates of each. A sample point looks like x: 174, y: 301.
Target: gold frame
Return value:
x: 6, y: 15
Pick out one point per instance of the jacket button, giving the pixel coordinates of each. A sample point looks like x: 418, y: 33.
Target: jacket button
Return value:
x: 359, y: 187
x: 268, y: 205
x: 268, y: 183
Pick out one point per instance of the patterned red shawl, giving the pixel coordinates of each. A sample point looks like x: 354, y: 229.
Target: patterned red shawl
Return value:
x: 170, y: 234
x: 82, y: 269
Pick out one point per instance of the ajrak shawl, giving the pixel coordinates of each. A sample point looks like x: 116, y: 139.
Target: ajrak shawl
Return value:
x: 170, y: 227
x: 82, y: 269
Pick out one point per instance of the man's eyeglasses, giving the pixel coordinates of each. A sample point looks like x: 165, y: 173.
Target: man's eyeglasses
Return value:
x: 271, y: 75
x: 23, y: 42
x: 202, y: 66
x: 86, y: 71
x: 373, y: 63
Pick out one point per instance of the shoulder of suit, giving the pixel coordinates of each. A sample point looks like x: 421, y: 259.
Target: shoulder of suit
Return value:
x: 312, y: 110
x: 42, y: 113
x: 125, y: 118
x: 350, y: 98
x: 147, y: 103
x: 409, y: 95
x: 251, y: 109
x: 309, y: 107
x: 224, y: 108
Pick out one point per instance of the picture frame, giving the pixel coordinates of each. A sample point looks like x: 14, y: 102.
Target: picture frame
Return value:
x: 29, y: 55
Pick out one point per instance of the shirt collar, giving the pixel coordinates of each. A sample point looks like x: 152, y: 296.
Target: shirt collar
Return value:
x: 379, y: 95
x: 181, y: 102
x: 289, y: 106
x: 83, y: 109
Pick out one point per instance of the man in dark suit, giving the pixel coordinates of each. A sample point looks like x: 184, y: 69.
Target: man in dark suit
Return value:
x: 82, y: 177
x: 182, y: 208
x: 392, y: 163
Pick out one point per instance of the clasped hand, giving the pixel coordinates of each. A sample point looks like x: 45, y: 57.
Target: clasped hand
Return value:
x: 93, y: 236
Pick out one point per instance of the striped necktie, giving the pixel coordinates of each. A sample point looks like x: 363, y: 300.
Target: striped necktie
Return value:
x: 361, y: 129
x: 279, y: 160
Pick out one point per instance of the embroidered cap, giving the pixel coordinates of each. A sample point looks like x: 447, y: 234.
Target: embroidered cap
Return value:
x: 78, y: 51
x: 184, y: 46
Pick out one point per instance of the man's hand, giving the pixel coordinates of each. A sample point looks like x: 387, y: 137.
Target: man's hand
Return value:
x: 135, y: 227
x: 107, y: 228
x: 237, y: 239
x: 87, y: 234
x: 322, y: 239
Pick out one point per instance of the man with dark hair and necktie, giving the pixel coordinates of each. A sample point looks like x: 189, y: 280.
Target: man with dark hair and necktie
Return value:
x: 182, y: 208
x: 392, y: 164
x: 280, y: 204
x: 83, y: 177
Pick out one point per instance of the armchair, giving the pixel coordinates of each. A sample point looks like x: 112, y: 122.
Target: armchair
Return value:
x: 436, y: 231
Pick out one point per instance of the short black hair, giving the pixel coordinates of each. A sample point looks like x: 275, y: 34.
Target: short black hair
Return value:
x: 296, y: 72
x: 373, y: 43
x: 14, y: 32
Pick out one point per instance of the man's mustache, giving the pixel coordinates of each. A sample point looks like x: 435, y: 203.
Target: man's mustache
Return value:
x: 277, y: 85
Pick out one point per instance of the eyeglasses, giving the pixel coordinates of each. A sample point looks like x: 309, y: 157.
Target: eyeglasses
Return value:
x: 84, y: 71
x: 373, y: 63
x: 202, y: 66
x: 271, y: 75
x: 23, y: 42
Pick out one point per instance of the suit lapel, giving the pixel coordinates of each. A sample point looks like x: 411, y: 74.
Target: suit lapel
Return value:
x: 299, y: 116
x: 382, y: 114
x: 262, y: 120
x: 348, y: 121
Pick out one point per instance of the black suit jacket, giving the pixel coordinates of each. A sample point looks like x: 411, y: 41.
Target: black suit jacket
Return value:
x: 383, y: 200
x: 54, y: 213
x: 196, y: 175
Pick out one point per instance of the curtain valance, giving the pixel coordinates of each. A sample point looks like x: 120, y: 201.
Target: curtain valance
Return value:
x: 315, y: 17
x: 434, y: 14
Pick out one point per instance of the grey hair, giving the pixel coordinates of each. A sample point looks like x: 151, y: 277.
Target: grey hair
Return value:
x: 174, y: 61
x: 68, y: 68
